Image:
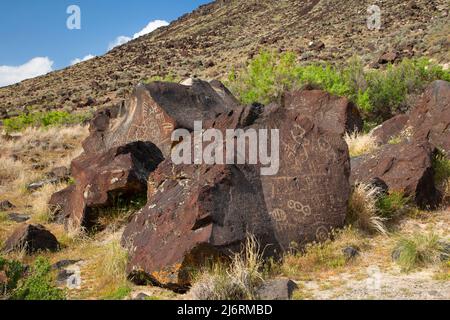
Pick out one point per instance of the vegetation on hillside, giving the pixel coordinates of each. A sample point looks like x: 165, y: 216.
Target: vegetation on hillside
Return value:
x: 44, y: 119
x: 378, y: 93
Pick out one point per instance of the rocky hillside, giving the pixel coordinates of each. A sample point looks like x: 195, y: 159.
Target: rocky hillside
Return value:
x: 216, y: 37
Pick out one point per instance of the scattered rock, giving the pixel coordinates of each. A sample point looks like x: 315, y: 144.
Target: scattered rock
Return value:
x: 316, y: 45
x: 405, y: 167
x: 102, y: 177
x: 41, y: 183
x: 6, y: 205
x: 388, y: 57
x: 32, y: 238
x: 141, y: 297
x: 18, y: 217
x: 64, y: 264
x: 59, y: 173
x: 277, y: 289
x: 350, y: 252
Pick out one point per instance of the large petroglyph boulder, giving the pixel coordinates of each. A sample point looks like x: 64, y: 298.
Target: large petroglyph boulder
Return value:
x: 405, y: 167
x: 155, y: 110
x: 101, y: 178
x: 197, y: 212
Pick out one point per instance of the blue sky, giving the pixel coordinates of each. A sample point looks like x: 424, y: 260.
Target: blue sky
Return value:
x: 37, y: 28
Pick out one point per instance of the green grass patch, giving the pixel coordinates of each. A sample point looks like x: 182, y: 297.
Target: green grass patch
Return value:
x: 418, y: 250
x: 392, y: 204
x: 119, y: 294
x: 14, y: 271
x: 44, y: 119
x: 38, y: 285
x: 378, y: 93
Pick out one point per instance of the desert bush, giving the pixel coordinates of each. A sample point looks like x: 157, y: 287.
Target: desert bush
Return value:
x: 378, y: 93
x: 39, y: 202
x: 360, y: 143
x: 441, y: 165
x: 363, y: 212
x: 393, y: 204
x: 238, y: 280
x: 418, y: 250
x: 14, y: 271
x: 10, y: 170
x: 38, y: 285
x: 43, y: 119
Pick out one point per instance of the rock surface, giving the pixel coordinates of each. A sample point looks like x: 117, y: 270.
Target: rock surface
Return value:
x: 32, y: 238
x: 102, y: 178
x: 389, y: 129
x: 197, y: 212
x: 277, y: 289
x: 155, y: 110
x: 405, y: 167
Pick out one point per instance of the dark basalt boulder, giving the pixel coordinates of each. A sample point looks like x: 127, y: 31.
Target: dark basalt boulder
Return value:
x: 101, y: 178
x: 155, y: 110
x: 405, y: 167
x: 32, y: 238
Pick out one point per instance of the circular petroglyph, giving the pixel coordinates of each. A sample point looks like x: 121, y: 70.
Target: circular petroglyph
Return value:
x: 322, y: 234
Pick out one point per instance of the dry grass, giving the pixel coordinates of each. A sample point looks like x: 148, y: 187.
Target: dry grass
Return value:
x: 39, y: 202
x: 10, y: 170
x: 322, y: 257
x: 363, y: 212
x: 237, y: 281
x: 360, y: 144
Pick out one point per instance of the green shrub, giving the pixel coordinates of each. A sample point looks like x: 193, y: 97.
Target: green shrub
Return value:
x: 43, y: 119
x: 39, y: 284
x: 392, y: 204
x: 14, y: 271
x: 418, y: 250
x: 378, y: 93
x: 441, y: 165
x: 119, y: 294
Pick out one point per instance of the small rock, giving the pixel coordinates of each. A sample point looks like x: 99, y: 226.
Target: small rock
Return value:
x: 388, y: 57
x: 59, y: 173
x: 39, y: 184
x: 316, y: 45
x: 277, y: 289
x: 6, y: 205
x: 32, y: 238
x: 64, y: 263
x: 18, y: 217
x: 63, y: 276
x: 350, y: 252
x: 141, y: 296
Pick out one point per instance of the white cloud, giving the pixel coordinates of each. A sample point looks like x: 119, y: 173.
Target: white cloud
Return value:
x: 118, y: 42
x: 35, y: 67
x: 151, y: 26
x: 78, y: 60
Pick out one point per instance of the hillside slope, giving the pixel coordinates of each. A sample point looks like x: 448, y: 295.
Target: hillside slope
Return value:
x: 216, y: 37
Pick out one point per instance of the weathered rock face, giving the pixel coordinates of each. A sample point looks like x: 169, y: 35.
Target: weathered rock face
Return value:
x: 406, y: 167
x: 430, y: 119
x: 390, y: 129
x: 330, y: 113
x: 309, y: 194
x: 102, y: 177
x: 32, y: 238
x: 195, y: 213
x: 155, y: 110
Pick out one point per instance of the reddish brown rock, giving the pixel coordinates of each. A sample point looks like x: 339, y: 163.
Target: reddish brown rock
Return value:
x: 430, y: 119
x: 155, y: 110
x: 388, y: 57
x: 32, y: 238
x: 330, y: 113
x: 390, y: 129
x: 196, y: 213
x: 405, y: 167
x: 103, y: 177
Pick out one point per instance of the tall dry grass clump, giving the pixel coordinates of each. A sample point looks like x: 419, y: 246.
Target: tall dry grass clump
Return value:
x: 360, y: 143
x: 363, y: 212
x: 238, y: 280
x: 39, y: 202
